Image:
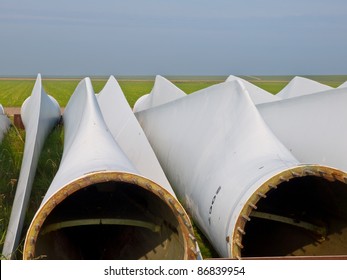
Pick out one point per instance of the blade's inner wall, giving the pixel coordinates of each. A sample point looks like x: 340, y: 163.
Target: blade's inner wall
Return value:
x: 139, y: 226
x: 312, y: 201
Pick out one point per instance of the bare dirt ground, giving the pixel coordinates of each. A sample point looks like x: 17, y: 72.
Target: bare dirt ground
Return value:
x: 12, y: 110
x: 16, y: 110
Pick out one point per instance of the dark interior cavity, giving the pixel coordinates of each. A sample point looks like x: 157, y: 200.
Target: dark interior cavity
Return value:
x: 313, y: 220
x: 112, y: 220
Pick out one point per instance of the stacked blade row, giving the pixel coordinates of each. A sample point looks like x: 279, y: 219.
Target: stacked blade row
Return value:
x: 259, y: 174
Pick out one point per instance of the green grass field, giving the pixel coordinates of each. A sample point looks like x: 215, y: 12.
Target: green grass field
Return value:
x: 14, y: 91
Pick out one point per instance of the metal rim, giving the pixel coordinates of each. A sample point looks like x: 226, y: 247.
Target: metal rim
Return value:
x: 190, y: 250
x: 328, y: 173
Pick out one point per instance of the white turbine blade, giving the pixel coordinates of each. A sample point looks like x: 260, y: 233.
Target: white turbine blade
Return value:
x: 162, y: 92
x: 290, y: 120
x: 312, y: 127
x: 344, y: 85
x: 99, y: 206
x: 40, y: 113
x: 257, y: 94
x: 200, y: 144
x: 128, y: 133
x: 300, y: 86
x: 4, y: 123
x: 224, y: 163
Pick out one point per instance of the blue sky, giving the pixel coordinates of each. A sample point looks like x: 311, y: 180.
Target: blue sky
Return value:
x: 191, y: 37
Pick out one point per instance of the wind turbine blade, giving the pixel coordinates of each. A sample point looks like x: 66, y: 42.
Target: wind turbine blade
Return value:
x: 235, y: 177
x: 4, y: 123
x: 40, y: 113
x: 128, y: 133
x: 162, y: 92
x: 257, y: 94
x: 300, y: 86
x: 344, y: 85
x: 312, y: 127
x: 99, y: 206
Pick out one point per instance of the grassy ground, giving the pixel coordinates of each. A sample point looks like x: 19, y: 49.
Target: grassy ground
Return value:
x: 14, y: 92
x: 11, y: 153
